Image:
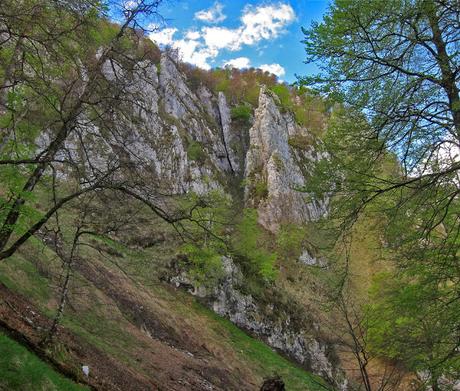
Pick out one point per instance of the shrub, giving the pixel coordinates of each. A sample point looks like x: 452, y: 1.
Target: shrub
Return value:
x: 260, y: 189
x: 250, y: 247
x: 195, y: 152
x: 241, y: 113
x: 206, y: 264
x: 300, y: 141
x: 284, y: 94
x: 290, y: 241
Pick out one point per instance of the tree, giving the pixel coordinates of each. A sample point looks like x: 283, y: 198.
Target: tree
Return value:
x: 397, y: 62
x: 393, y: 142
x: 70, y: 94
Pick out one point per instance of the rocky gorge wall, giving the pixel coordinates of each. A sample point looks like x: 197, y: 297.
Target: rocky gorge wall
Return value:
x: 270, y: 161
x: 184, y: 140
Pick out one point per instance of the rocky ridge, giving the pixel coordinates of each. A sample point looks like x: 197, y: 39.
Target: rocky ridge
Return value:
x: 186, y: 141
x: 276, y: 165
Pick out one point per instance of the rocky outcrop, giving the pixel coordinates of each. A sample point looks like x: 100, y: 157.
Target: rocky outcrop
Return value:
x: 275, y: 169
x: 295, y: 336
x: 174, y: 137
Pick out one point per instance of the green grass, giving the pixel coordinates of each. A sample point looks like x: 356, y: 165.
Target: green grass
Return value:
x: 260, y: 356
x: 107, y: 330
x: 95, y: 326
x: 22, y: 370
x: 20, y: 275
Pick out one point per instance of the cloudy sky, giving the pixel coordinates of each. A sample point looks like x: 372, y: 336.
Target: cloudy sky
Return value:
x: 242, y: 33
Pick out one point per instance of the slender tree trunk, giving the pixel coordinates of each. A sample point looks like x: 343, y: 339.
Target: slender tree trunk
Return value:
x: 7, y: 84
x: 448, y: 75
x: 68, y: 263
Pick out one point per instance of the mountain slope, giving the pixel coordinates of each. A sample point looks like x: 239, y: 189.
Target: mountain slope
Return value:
x: 135, y: 335
x: 128, y: 317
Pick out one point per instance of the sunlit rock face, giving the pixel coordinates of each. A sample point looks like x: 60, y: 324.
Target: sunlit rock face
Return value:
x: 275, y: 170
x: 183, y: 139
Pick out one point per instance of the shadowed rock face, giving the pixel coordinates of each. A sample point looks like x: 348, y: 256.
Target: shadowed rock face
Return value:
x: 294, y: 335
x: 290, y: 331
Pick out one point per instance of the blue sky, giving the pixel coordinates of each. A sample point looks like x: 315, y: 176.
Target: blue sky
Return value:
x: 240, y: 33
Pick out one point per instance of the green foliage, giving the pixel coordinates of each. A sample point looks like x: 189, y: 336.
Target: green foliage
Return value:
x: 22, y: 370
x: 103, y: 33
x: 260, y: 189
x: 300, y: 141
x: 195, y: 152
x: 284, y: 94
x: 410, y: 321
x: 206, y: 232
x: 239, y: 86
x: 384, y: 162
x: 248, y: 244
x: 266, y: 361
x: 308, y: 108
x: 206, y: 264
x: 241, y: 113
x: 27, y: 279
x: 290, y: 241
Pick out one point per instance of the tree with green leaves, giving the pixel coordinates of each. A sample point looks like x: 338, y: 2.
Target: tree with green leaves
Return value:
x: 69, y: 89
x: 393, y: 146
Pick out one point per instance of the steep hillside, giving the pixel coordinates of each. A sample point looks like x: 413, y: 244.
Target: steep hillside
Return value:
x: 185, y: 186
x: 132, y: 331
x: 127, y: 316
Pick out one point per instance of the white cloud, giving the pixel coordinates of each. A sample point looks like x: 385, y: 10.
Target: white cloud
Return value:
x: 130, y: 4
x: 276, y: 69
x: 258, y: 23
x: 221, y: 38
x: 240, y: 62
x: 192, y: 35
x: 244, y: 62
x: 212, y: 15
x: 264, y: 22
x: 163, y: 37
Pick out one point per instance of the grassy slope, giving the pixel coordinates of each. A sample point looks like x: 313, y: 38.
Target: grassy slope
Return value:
x: 22, y: 370
x: 264, y: 359
x: 31, y: 273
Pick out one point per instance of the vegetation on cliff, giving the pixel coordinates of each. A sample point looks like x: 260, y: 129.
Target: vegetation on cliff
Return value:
x: 124, y: 183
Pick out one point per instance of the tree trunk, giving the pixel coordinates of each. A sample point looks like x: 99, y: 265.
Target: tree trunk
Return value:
x: 448, y: 75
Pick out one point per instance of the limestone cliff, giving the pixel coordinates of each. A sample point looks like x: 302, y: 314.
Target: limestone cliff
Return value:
x: 277, y: 167
x: 184, y: 140
x: 273, y: 162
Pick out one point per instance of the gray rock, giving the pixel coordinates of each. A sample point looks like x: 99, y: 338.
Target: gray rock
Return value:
x: 270, y: 162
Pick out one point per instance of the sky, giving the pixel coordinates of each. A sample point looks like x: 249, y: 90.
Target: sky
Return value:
x: 240, y: 33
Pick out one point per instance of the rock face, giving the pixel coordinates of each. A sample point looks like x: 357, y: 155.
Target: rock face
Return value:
x: 242, y: 310
x: 285, y: 330
x: 185, y: 140
x: 274, y: 167
x: 173, y: 136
